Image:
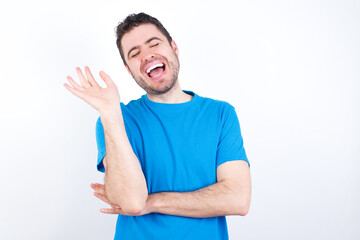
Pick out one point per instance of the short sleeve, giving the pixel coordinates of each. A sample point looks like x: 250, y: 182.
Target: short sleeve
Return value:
x: 230, y: 146
x: 100, y: 141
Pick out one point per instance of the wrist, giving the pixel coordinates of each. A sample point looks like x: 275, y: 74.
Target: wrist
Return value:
x: 109, y: 107
x: 151, y: 202
x: 109, y: 112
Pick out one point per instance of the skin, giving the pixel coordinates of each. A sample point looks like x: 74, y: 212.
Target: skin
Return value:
x: 125, y: 187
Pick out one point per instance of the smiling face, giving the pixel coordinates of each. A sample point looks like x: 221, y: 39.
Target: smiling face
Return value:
x: 150, y: 59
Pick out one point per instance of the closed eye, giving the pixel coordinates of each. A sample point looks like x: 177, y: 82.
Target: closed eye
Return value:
x: 134, y: 55
x: 154, y: 45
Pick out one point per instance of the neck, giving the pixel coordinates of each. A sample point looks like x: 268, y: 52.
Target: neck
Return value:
x: 174, y: 95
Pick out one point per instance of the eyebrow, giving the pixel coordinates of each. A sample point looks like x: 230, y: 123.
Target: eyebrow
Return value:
x: 146, y: 42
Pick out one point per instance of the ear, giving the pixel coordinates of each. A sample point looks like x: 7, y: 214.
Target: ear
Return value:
x: 174, y: 46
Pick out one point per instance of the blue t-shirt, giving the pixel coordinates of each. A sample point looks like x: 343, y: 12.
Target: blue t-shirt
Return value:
x: 179, y: 147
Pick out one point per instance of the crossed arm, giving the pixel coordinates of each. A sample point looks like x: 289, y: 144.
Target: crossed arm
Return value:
x: 126, y: 192
x: 229, y: 196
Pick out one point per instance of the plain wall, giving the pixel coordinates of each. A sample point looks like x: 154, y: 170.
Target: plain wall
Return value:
x: 290, y: 68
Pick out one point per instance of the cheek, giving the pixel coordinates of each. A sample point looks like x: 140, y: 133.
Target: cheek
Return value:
x: 134, y: 68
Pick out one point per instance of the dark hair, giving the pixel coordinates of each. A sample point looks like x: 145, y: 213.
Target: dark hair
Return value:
x: 135, y: 20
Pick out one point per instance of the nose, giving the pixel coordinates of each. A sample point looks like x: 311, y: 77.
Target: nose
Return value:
x: 148, y: 57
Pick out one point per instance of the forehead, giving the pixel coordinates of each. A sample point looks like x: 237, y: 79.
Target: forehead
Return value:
x: 138, y: 35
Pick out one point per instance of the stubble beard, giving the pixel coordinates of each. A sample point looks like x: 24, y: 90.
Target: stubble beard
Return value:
x: 174, y: 67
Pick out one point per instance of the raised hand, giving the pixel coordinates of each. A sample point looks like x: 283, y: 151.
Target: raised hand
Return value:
x: 90, y: 91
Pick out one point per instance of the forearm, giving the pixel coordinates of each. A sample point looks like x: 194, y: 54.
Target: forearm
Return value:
x: 219, y: 199
x: 125, y: 184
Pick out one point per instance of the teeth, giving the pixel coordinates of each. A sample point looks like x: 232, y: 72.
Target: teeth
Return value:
x: 153, y: 67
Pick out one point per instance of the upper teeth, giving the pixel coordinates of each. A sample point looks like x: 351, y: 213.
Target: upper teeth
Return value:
x: 153, y: 67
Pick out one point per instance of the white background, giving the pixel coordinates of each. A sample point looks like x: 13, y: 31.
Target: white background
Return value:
x: 291, y: 69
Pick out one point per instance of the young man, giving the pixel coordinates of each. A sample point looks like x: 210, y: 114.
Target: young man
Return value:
x: 174, y: 162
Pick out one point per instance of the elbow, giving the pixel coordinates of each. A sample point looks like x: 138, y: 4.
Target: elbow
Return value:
x: 243, y: 202
x: 130, y: 205
x: 135, y: 206
x: 243, y: 211
x: 133, y: 210
x: 242, y: 207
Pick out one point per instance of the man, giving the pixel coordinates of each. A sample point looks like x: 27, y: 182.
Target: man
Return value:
x: 174, y: 162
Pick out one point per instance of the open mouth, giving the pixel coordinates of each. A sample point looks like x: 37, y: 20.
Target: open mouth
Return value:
x: 155, y: 70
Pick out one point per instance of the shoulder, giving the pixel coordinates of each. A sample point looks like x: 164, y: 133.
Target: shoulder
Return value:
x: 215, y: 105
x: 133, y: 106
x: 221, y: 111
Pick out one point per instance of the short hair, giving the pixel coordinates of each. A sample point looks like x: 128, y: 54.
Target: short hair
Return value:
x: 135, y: 20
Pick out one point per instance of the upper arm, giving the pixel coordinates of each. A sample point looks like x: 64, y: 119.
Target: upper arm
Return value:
x: 236, y: 171
x: 236, y: 174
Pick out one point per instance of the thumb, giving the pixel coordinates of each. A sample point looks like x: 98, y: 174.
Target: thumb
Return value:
x: 106, y: 79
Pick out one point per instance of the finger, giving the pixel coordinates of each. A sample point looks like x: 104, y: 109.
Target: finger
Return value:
x: 112, y: 211
x: 90, y: 77
x: 74, y: 84
x: 74, y: 91
x: 103, y: 198
x: 106, y: 79
x: 100, y: 188
x: 97, y: 185
x: 82, y: 78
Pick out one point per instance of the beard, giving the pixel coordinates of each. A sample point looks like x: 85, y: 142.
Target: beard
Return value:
x: 162, y: 87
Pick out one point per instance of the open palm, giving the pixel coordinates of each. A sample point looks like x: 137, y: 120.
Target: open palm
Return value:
x: 92, y: 93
